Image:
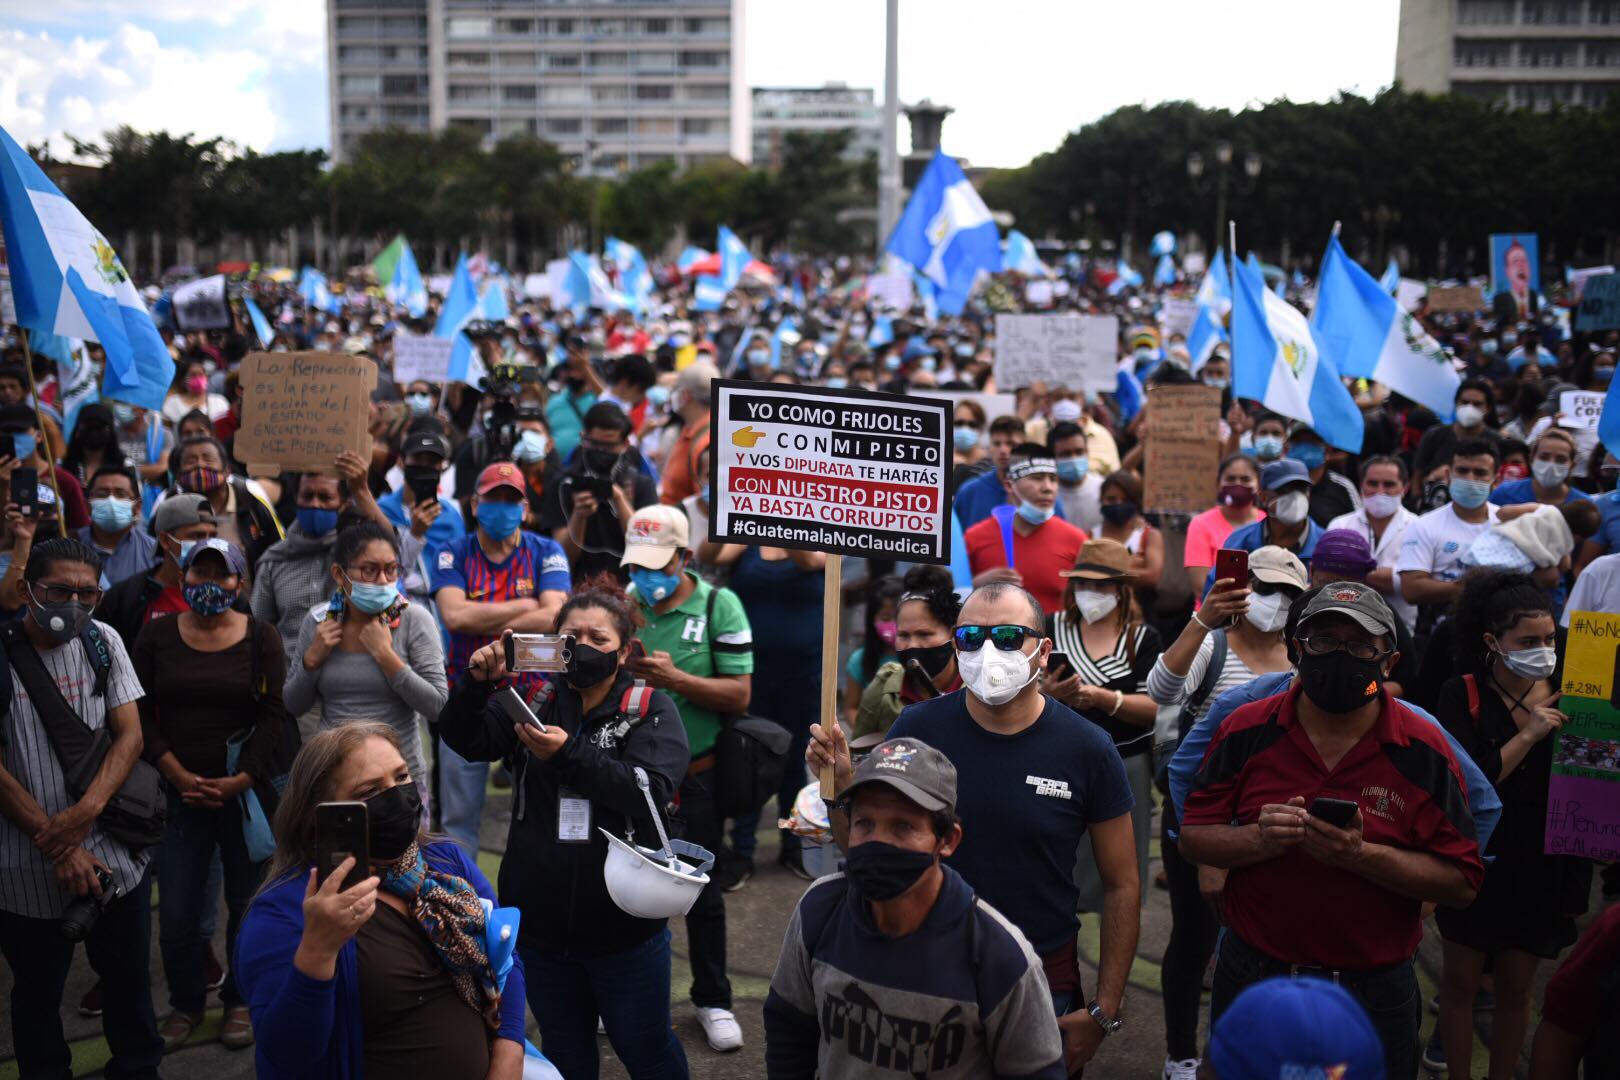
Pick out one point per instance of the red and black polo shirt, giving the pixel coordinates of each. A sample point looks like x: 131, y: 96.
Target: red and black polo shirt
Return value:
x: 1412, y: 795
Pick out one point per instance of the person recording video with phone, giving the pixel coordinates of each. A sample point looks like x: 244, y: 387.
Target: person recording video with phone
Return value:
x: 576, y: 749
x: 606, y: 481
x: 58, y: 856
x: 390, y: 976
x: 419, y: 506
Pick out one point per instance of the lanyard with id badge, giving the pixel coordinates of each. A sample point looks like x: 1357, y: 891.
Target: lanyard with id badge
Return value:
x: 545, y: 652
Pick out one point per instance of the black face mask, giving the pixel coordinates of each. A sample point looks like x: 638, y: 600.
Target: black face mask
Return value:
x: 96, y: 436
x: 392, y: 820
x: 932, y: 658
x: 600, y: 462
x: 1118, y: 513
x: 588, y: 666
x: 881, y: 871
x: 1338, y: 682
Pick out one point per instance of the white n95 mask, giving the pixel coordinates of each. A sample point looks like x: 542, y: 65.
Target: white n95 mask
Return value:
x: 994, y: 676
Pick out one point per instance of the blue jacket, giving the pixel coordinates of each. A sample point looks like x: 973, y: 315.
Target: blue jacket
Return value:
x: 1254, y: 536
x: 1483, y: 802
x: 307, y: 1028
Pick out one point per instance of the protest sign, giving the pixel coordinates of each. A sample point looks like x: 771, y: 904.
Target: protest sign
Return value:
x: 8, y: 306
x: 1178, y: 316
x: 1581, y: 409
x: 1600, y: 304
x: 1183, y: 448
x: 1443, y: 298
x: 1038, y: 293
x: 840, y: 471
x: 1515, y: 266
x: 1194, y: 263
x: 301, y: 410
x: 418, y: 356
x: 1583, y: 795
x: 1074, y: 352
x: 993, y: 404
x: 201, y: 305
x: 894, y: 290
x: 1579, y: 278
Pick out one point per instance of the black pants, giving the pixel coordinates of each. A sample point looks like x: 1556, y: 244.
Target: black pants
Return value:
x: 1193, y: 928
x: 706, y: 922
x: 119, y: 948
x: 1390, y: 996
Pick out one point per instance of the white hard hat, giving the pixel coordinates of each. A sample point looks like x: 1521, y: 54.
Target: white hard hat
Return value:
x: 641, y: 884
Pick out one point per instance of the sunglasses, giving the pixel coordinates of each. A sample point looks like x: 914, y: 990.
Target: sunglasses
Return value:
x: 1006, y: 636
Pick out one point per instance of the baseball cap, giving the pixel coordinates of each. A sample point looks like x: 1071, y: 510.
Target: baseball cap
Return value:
x: 695, y: 377
x: 1276, y: 475
x: 1066, y: 411
x: 235, y: 561
x: 911, y: 767
x: 500, y: 474
x: 654, y: 535
x: 1343, y: 551
x: 1295, y: 1027
x: 18, y: 417
x: 1353, y: 600
x: 1278, y: 566
x: 178, y: 511
x: 425, y: 441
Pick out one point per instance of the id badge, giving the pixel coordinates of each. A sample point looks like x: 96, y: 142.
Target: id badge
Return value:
x: 573, y: 818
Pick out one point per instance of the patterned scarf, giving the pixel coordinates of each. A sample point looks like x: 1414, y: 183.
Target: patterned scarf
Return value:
x: 449, y: 912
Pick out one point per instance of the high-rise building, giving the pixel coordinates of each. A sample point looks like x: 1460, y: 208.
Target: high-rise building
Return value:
x: 1523, y: 53
x: 779, y: 110
x: 616, y: 86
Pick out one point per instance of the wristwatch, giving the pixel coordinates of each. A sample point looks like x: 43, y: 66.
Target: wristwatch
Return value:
x: 1109, y: 1024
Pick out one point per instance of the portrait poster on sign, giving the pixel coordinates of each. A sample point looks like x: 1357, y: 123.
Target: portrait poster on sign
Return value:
x: 1515, y: 266
x: 1583, y: 795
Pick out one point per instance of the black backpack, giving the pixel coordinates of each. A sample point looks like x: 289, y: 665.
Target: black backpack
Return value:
x: 750, y: 753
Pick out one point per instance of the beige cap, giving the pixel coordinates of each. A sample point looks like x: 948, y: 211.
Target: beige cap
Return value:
x: 1277, y: 566
x: 654, y: 536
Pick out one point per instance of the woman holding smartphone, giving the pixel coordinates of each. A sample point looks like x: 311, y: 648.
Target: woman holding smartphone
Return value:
x: 573, y: 776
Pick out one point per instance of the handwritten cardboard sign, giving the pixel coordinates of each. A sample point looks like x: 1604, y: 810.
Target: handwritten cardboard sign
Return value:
x: 1581, y: 409
x: 1583, y: 794
x: 1183, y: 448
x: 1074, y: 352
x: 1456, y: 298
x: 301, y: 410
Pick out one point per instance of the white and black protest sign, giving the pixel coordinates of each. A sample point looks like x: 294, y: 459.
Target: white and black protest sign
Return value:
x: 1599, y: 308
x: 1178, y: 316
x: 1074, y: 352
x: 847, y: 472
x: 201, y: 305
x: 419, y: 356
x: 1581, y: 409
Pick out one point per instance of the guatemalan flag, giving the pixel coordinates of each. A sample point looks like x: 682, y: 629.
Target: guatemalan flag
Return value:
x: 460, y: 308
x: 1216, y: 290
x: 947, y: 234
x: 635, y: 280
x: 1366, y: 334
x: 407, y: 288
x: 1206, y: 333
x: 67, y: 280
x: 1609, y: 419
x: 734, y: 258
x: 261, y: 325
x: 1021, y: 257
x: 1276, y: 361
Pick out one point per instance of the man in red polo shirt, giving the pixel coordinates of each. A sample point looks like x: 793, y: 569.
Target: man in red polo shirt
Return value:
x: 1024, y: 543
x: 1306, y: 897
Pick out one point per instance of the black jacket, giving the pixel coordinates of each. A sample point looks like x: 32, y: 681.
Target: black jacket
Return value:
x: 123, y: 607
x: 559, y: 886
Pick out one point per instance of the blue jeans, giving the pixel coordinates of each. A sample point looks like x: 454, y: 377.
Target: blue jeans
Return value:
x: 629, y: 990
x: 191, y: 838
x: 461, y: 797
x: 794, y: 702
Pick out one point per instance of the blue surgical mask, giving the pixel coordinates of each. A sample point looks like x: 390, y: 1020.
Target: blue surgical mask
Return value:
x: 891, y: 363
x: 25, y: 445
x: 1073, y: 470
x: 1604, y: 374
x: 315, y: 522
x: 1310, y: 455
x: 185, y: 550
x: 1034, y: 514
x: 531, y: 447
x: 1470, y: 494
x: 372, y: 599
x: 965, y: 351
x: 112, y: 515
x: 758, y: 357
x: 928, y: 363
x: 1268, y: 447
x: 124, y: 414
x: 966, y: 438
x: 654, y: 586
x: 658, y: 395
x: 499, y: 520
x: 1488, y: 347
x: 836, y: 382
x: 420, y: 404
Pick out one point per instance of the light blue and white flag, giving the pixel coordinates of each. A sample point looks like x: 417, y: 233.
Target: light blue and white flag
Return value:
x: 1128, y: 393
x: 1366, y: 334
x: 1608, y: 428
x: 708, y: 294
x: 1276, y: 361
x: 882, y: 332
x: 1216, y: 288
x: 734, y: 258
x: 1021, y: 257
x: 67, y: 280
x: 492, y: 304
x: 1206, y: 333
x: 78, y: 378
x: 1163, y: 243
x: 689, y: 256
x: 313, y: 288
x: 946, y: 233
x: 635, y: 280
x: 261, y: 325
x: 1391, y: 281
x: 1164, y: 274
x: 407, y: 289
x: 1125, y: 277
x: 460, y: 307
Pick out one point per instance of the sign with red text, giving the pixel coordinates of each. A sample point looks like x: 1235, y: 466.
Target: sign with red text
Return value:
x: 1583, y: 793
x: 847, y: 472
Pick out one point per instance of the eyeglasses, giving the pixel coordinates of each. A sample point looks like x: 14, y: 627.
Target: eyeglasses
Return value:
x: 373, y: 572
x: 61, y: 594
x: 1005, y: 636
x: 1323, y: 644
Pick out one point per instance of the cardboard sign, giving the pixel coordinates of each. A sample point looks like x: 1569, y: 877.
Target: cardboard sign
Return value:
x: 1072, y: 352
x: 421, y: 356
x: 1583, y: 795
x: 300, y: 410
x: 1600, y: 304
x: 1178, y: 316
x: 1581, y: 409
x: 1183, y: 449
x: 201, y: 305
x: 1463, y: 298
x: 847, y: 472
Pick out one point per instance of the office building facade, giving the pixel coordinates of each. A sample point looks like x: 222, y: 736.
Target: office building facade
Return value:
x: 779, y: 110
x: 1533, y: 54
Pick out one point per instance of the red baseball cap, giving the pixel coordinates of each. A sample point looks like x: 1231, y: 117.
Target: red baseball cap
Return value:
x: 500, y: 474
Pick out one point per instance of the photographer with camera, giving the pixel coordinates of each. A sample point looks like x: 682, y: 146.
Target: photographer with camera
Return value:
x: 580, y: 389
x: 508, y: 388
x: 65, y: 878
x: 606, y: 482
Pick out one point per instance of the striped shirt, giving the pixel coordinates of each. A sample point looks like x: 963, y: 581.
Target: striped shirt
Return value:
x: 27, y: 880
x: 535, y: 566
x: 1166, y: 689
x: 1125, y: 669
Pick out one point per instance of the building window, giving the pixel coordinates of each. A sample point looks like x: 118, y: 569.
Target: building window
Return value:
x: 614, y: 61
x: 359, y: 85
x: 356, y: 26
x: 611, y: 125
x: 468, y: 59
x: 469, y: 93
x: 562, y: 27
x: 1551, y: 12
x: 521, y: 93
x: 699, y: 125
x: 707, y: 92
x: 462, y: 26
x: 561, y: 61
x: 654, y: 26
x: 400, y: 85
x: 1606, y: 12
x: 1476, y: 54
x: 703, y: 59
x: 517, y: 125
x: 600, y: 94
x: 517, y: 26
x: 1546, y: 55
x: 351, y: 113
x: 605, y: 27
x: 526, y: 61
x: 655, y: 92
x: 655, y: 125
x: 566, y: 94
x: 563, y: 125
x: 357, y: 54
x: 481, y: 124
x: 713, y: 27
x: 655, y: 61
x: 406, y: 26
x: 1484, y: 12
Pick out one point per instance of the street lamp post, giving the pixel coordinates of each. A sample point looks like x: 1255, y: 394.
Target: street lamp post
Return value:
x: 1252, y: 164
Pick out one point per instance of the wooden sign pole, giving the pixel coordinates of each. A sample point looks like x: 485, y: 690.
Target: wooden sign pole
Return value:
x: 831, y: 608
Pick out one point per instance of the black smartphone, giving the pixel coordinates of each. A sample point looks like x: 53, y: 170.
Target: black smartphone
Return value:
x: 25, y: 490
x: 1336, y: 812
x: 424, y: 488
x: 8, y: 446
x: 1058, y: 667
x: 340, y: 831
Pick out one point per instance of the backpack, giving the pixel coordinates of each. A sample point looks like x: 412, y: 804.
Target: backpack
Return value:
x: 750, y: 753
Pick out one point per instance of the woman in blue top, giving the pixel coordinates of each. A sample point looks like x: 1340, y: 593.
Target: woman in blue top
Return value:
x: 391, y: 977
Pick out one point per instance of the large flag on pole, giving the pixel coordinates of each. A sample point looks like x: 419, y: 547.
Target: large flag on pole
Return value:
x: 261, y: 325
x: 1276, y: 362
x: 1366, y: 334
x: 635, y: 280
x: 1216, y: 288
x: 734, y: 258
x: 947, y: 234
x: 461, y: 307
x: 1206, y: 333
x: 405, y: 284
x: 67, y: 280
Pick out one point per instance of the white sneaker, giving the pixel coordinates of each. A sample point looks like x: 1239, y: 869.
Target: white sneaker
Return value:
x: 1181, y: 1070
x: 720, y: 1028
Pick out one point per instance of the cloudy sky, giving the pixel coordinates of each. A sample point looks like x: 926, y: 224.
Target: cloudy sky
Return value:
x: 1020, y: 73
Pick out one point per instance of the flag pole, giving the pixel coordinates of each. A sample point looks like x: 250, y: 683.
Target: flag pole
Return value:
x: 1231, y: 278
x: 39, y: 420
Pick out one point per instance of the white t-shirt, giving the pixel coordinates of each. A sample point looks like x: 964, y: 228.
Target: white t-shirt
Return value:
x: 1386, y: 551
x: 1436, y: 542
x: 1597, y: 588
x: 1082, y: 504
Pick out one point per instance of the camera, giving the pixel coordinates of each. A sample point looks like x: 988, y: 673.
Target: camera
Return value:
x: 81, y: 915
x: 503, y: 382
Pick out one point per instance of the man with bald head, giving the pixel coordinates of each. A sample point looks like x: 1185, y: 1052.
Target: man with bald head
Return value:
x: 1033, y: 776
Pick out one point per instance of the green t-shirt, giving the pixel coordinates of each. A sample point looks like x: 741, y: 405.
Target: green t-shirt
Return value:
x: 726, y: 648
